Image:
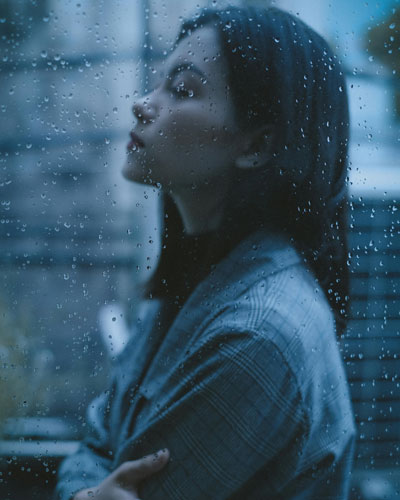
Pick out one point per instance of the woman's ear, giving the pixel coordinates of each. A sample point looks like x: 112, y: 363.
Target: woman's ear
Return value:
x: 258, y: 148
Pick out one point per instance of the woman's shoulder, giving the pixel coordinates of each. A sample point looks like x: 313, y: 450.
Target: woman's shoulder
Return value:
x: 264, y: 283
x: 286, y: 308
x: 277, y: 300
x: 283, y: 313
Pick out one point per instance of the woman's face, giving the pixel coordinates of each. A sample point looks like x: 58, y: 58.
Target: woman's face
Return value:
x: 186, y: 134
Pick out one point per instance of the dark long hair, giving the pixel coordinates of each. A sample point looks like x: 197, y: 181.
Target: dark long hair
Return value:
x: 284, y: 74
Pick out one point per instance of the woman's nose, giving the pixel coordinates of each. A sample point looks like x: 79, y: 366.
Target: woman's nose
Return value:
x: 144, y: 110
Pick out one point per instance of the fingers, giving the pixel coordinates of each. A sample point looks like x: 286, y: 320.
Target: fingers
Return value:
x: 136, y: 470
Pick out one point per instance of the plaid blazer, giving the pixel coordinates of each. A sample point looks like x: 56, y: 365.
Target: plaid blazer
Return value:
x: 246, y: 389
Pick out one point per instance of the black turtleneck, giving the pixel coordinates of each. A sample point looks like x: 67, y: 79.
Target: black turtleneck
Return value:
x: 180, y: 269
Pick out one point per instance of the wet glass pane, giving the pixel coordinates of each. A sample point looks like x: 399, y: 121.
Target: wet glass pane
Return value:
x: 77, y: 238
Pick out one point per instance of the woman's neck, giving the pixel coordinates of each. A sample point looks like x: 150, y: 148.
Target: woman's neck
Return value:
x: 202, y: 211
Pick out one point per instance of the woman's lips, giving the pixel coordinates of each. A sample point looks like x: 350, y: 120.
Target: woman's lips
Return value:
x: 135, y: 143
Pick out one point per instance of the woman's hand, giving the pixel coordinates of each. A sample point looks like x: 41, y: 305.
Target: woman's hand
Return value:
x: 123, y: 483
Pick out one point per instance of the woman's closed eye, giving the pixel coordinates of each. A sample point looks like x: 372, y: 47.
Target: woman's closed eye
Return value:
x: 181, y: 90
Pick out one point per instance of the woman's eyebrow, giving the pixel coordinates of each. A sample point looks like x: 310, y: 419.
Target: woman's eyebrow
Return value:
x: 185, y: 67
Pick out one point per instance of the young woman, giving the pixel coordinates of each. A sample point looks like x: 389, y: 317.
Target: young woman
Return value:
x: 236, y: 371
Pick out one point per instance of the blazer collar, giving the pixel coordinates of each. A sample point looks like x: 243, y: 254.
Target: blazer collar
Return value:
x: 256, y: 257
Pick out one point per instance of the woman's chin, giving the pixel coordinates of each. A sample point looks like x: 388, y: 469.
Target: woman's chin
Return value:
x: 132, y: 171
x: 137, y: 173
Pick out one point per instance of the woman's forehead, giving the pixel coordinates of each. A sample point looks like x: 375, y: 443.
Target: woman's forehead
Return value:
x: 200, y: 48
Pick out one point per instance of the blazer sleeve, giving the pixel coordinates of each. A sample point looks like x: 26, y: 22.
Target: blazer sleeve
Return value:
x: 92, y: 462
x: 232, y: 408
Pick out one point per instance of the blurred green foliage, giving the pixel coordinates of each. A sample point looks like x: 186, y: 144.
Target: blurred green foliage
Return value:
x: 20, y: 384
x: 383, y: 42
